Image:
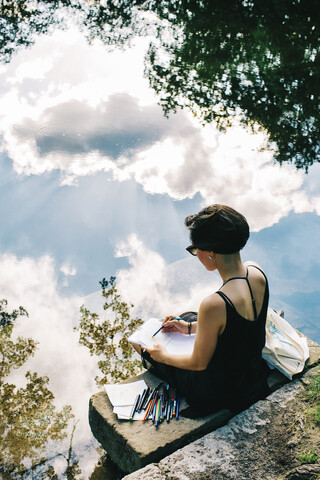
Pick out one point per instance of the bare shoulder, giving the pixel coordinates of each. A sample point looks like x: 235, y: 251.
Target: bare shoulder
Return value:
x: 212, y: 302
x: 251, y: 262
x: 255, y: 273
x: 212, y: 308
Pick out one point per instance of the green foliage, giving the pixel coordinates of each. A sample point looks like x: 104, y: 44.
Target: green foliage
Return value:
x: 28, y: 418
x: 309, y: 457
x: 108, y: 339
x: 312, y: 397
x: 312, y: 391
x: 250, y: 59
x: 21, y: 20
x: 256, y: 59
x: 7, y: 318
x: 12, y: 354
x: 316, y: 415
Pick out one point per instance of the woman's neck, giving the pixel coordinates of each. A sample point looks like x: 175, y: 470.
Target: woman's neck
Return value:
x: 230, y: 266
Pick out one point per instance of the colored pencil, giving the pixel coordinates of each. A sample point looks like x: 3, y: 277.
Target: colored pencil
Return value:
x: 143, y: 396
x: 147, y: 411
x: 177, y: 406
x: 134, y: 408
x: 173, y: 406
x: 157, y: 416
x: 153, y: 403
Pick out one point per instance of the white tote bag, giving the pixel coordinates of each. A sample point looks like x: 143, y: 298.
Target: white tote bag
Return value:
x: 284, y: 350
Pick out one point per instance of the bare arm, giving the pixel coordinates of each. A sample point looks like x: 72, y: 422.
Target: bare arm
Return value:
x: 180, y: 326
x: 211, y: 320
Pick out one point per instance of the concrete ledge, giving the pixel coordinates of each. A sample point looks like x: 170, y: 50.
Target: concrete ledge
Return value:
x: 132, y: 445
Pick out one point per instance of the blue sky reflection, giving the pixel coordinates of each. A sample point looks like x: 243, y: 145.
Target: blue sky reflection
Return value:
x: 96, y: 182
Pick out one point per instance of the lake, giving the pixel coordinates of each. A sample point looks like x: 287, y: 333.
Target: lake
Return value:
x: 119, y: 119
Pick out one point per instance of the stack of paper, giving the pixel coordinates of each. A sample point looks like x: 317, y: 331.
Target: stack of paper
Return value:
x: 122, y: 396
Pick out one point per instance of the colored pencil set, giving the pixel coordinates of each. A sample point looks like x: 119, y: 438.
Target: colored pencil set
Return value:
x: 158, y: 405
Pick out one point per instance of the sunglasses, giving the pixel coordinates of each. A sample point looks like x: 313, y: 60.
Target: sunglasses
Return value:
x: 193, y: 250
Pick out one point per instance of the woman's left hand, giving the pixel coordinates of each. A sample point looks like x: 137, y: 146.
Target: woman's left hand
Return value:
x: 157, y: 353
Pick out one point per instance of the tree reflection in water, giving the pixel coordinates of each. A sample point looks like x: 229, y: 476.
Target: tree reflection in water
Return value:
x: 30, y: 426
x: 108, y: 339
x: 257, y: 61
x: 28, y: 418
x: 259, y: 57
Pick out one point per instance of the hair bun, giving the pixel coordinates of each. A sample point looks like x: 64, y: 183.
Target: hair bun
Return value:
x: 219, y: 228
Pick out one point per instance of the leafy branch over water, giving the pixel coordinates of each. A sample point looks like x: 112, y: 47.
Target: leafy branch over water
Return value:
x: 238, y: 59
x: 108, y: 339
x: 28, y: 418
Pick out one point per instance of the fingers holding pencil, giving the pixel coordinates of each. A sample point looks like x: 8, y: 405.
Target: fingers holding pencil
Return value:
x: 174, y: 324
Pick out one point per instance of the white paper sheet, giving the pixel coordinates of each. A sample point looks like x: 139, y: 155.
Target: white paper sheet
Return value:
x: 123, y: 413
x: 124, y: 394
x: 181, y: 344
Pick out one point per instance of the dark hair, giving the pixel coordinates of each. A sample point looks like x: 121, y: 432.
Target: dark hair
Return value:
x: 218, y: 228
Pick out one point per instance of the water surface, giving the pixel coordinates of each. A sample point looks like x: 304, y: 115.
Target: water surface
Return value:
x: 117, y: 122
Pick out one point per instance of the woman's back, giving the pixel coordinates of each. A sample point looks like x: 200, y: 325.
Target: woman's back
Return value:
x: 246, y: 292
x: 236, y: 367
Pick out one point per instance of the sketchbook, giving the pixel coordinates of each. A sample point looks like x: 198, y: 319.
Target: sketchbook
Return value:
x: 175, y: 342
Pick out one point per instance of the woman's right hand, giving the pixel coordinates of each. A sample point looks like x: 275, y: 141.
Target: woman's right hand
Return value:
x: 170, y: 325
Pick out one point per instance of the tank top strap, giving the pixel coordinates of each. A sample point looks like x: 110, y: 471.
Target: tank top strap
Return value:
x: 244, y: 277
x: 253, y: 300
x: 258, y: 268
x: 226, y: 298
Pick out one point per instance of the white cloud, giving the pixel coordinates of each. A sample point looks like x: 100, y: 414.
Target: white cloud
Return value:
x: 89, y: 110
x: 58, y: 70
x: 224, y: 168
x: 32, y: 283
x: 68, y: 269
x: 157, y: 289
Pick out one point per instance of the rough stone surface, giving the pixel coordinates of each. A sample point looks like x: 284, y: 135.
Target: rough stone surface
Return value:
x: 141, y: 442
x: 255, y: 444
x: 303, y: 472
x: 251, y: 446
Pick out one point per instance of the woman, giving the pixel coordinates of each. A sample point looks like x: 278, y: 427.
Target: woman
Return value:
x: 225, y: 368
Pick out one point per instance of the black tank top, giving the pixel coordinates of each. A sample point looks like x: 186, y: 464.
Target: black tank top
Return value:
x: 236, y: 367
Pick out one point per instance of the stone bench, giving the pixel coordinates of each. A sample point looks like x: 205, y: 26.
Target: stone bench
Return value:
x: 132, y: 445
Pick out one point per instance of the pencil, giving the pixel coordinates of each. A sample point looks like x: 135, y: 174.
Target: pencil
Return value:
x: 177, y: 406
x: 173, y: 318
x: 162, y: 405
x: 134, y: 408
x: 168, y: 408
x: 157, y: 415
x: 154, y: 411
x: 152, y: 392
x: 147, y: 411
x: 173, y: 401
x: 143, y: 396
x: 154, y: 401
